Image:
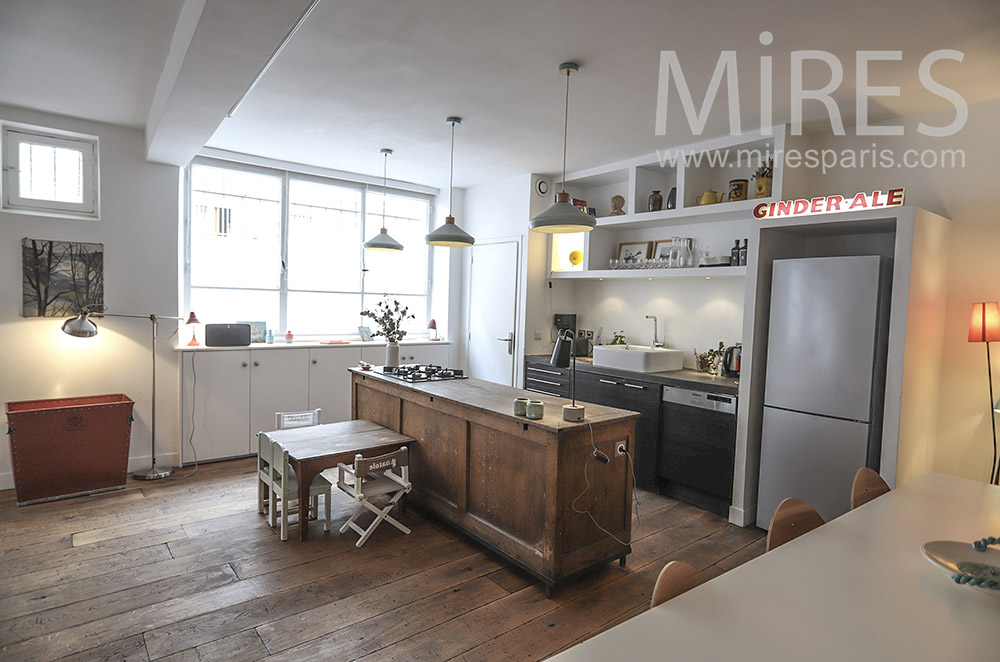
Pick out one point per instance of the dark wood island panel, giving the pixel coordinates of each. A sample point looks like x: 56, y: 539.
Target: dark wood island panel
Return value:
x: 507, y: 481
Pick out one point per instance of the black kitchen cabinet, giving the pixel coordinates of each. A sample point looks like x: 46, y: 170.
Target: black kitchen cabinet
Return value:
x: 542, y: 377
x: 635, y: 395
x: 697, y: 446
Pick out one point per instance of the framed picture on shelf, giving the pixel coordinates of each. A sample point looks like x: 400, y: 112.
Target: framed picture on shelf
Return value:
x: 633, y: 251
x: 365, y: 333
x: 258, y: 331
x: 661, y: 249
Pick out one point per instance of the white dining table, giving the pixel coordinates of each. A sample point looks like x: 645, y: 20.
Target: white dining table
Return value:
x: 856, y: 588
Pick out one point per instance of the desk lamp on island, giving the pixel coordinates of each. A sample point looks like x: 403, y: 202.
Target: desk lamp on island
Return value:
x: 564, y: 356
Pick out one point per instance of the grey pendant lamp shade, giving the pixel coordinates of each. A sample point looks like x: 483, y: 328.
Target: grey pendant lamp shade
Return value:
x: 450, y: 234
x: 382, y: 241
x: 562, y: 216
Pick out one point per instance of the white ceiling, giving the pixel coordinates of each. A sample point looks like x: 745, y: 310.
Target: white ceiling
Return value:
x: 365, y: 74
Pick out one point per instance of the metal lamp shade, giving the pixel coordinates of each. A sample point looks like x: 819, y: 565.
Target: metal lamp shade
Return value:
x: 563, y: 217
x: 561, y: 354
x: 80, y: 326
x: 449, y: 235
x: 383, y: 242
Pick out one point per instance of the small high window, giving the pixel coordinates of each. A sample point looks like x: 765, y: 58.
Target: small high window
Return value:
x: 50, y: 174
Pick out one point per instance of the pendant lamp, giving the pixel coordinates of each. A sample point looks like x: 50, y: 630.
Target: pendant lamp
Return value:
x: 450, y: 234
x: 562, y: 216
x: 382, y: 241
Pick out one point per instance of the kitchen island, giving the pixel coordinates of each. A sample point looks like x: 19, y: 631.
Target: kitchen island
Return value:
x: 507, y: 481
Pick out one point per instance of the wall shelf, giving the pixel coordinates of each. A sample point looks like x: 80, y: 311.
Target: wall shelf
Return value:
x: 691, y: 169
x: 650, y: 274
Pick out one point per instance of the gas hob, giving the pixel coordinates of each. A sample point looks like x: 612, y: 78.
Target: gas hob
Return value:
x: 421, y: 373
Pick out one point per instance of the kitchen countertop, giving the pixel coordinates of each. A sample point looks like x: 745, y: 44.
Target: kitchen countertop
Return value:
x: 684, y: 378
x: 497, y: 399
x: 304, y: 344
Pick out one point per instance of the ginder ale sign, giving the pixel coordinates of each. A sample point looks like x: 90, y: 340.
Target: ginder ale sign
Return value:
x: 829, y: 204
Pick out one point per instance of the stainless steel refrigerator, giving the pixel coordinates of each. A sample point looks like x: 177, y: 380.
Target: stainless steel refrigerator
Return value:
x: 825, y: 380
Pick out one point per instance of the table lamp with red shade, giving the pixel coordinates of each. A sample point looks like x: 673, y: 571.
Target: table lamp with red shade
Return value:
x: 984, y: 326
x: 434, y: 325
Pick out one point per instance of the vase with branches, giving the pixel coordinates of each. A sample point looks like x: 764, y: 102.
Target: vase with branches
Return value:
x: 389, y: 317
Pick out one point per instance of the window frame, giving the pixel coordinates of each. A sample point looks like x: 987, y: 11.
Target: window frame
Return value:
x: 283, y: 290
x: 14, y: 135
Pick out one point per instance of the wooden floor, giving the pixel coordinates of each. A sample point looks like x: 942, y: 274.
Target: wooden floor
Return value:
x: 187, y: 570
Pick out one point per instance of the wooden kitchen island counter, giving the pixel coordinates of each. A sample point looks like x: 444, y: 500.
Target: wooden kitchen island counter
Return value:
x: 507, y: 481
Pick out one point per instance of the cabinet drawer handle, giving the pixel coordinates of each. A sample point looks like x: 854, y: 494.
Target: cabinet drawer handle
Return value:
x: 535, y: 390
x: 256, y: 363
x: 543, y: 381
x: 315, y: 361
x: 634, y: 386
x: 245, y: 364
x: 605, y: 381
x: 547, y: 372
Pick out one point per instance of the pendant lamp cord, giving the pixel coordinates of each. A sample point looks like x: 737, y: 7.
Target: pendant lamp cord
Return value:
x: 385, y: 169
x: 451, y: 176
x: 565, y: 130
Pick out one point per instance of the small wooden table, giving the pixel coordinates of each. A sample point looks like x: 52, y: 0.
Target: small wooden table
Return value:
x: 313, y: 449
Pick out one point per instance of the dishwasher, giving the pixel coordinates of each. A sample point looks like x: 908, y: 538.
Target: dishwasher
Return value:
x: 697, y: 447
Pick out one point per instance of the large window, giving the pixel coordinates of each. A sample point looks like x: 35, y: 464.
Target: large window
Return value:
x: 286, y: 249
x: 48, y: 173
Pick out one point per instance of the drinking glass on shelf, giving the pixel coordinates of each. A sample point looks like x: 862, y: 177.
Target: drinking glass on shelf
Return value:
x: 612, y: 263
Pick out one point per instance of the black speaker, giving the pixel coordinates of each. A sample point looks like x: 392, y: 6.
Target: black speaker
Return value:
x: 227, y: 335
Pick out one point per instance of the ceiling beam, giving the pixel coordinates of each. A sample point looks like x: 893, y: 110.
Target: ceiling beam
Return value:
x: 218, y: 49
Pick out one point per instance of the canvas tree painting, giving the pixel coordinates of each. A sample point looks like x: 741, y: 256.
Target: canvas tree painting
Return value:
x: 59, y: 278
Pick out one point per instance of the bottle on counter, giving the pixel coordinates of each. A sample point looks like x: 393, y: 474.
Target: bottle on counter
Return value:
x: 270, y: 337
x: 743, y: 254
x: 734, y: 254
x: 289, y: 336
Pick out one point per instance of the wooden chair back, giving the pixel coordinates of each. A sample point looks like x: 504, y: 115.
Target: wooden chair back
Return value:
x: 791, y: 519
x: 675, y: 578
x: 286, y: 420
x: 867, y: 485
x: 396, y: 461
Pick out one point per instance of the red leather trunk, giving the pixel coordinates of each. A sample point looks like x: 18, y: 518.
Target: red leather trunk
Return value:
x: 69, y: 446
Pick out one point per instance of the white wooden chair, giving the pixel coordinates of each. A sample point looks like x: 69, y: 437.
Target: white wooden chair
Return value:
x: 386, y: 474
x: 285, y: 489
x: 283, y: 420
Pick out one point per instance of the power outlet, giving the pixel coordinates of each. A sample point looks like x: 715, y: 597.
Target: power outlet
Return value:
x: 620, y: 449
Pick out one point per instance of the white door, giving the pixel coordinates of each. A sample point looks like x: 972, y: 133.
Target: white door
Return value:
x: 493, y: 311
x: 330, y: 382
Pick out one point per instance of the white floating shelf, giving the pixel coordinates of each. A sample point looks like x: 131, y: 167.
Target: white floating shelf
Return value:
x: 651, y: 274
x: 723, y: 211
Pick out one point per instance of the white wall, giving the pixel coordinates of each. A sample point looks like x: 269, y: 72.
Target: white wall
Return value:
x: 691, y: 314
x: 139, y: 230
x: 968, y: 197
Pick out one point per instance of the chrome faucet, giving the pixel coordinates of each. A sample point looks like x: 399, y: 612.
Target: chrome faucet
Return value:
x: 656, y: 340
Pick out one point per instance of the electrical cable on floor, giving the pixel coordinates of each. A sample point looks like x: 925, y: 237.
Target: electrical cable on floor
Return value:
x: 194, y: 404
x: 587, y: 489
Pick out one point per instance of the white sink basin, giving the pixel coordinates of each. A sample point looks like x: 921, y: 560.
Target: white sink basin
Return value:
x: 638, y: 358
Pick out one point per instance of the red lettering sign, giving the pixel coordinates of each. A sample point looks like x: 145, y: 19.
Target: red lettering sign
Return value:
x: 830, y: 204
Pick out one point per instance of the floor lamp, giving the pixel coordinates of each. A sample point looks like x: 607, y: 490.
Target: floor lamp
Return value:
x: 82, y: 327
x: 984, y: 326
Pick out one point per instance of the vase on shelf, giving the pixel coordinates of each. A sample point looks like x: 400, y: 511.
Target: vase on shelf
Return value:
x: 672, y: 198
x: 392, y: 353
x: 655, y: 201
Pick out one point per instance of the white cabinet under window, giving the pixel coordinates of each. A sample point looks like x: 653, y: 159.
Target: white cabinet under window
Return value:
x: 229, y: 395
x: 435, y: 354
x: 329, y: 382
